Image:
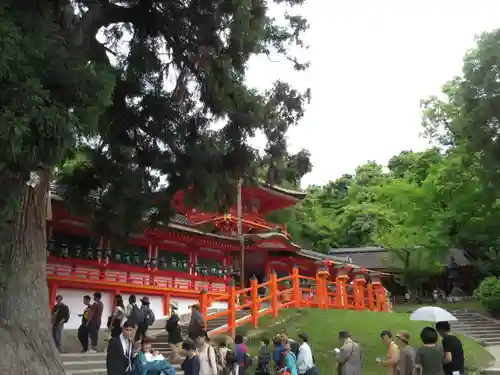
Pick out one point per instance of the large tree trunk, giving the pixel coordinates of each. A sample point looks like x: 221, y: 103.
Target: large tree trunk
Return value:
x: 26, y: 345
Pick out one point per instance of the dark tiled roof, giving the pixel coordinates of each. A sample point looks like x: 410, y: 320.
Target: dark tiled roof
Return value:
x: 321, y: 256
x: 379, y: 258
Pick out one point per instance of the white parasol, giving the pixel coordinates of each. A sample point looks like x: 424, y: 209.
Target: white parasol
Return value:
x: 432, y: 314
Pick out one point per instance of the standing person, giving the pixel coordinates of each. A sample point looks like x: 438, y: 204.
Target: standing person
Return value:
x: 95, y: 321
x: 174, y: 332
x: 288, y: 362
x: 305, y: 362
x: 263, y: 359
x: 121, y: 351
x: 206, y: 354
x: 241, y: 352
x: 83, y: 330
x: 406, y: 365
x: 132, y: 301
x: 191, y: 365
x: 349, y: 356
x: 143, y: 320
x: 429, y: 357
x: 392, y: 358
x: 453, y: 350
x: 294, y: 346
x: 196, y: 324
x: 60, y: 316
x: 118, y: 317
x: 221, y: 355
x: 277, y: 351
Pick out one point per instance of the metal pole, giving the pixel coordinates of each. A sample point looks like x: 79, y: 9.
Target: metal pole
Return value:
x: 239, y: 210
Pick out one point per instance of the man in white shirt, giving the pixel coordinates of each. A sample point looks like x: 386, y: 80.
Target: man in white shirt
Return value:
x: 305, y: 361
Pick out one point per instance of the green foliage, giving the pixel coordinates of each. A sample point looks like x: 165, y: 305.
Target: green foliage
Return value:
x: 488, y: 293
x: 427, y: 202
x: 122, y: 98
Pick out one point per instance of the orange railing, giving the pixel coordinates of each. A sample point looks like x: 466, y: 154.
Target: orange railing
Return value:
x: 305, y: 292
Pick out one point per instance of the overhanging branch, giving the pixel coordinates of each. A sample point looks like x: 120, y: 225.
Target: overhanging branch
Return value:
x: 100, y: 15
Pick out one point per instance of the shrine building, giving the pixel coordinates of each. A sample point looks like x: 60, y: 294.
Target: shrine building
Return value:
x: 196, y: 251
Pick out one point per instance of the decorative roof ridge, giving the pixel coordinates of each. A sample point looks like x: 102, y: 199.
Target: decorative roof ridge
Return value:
x: 278, y: 189
x: 367, y: 249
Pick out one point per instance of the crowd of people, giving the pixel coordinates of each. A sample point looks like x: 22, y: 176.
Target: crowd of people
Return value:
x: 130, y: 351
x: 141, y: 317
x: 430, y: 358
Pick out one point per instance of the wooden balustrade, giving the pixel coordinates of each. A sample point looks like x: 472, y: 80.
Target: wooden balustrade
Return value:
x: 363, y: 297
x: 304, y: 292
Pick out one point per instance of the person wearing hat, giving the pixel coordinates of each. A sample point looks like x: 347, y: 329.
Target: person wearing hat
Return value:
x: 174, y: 331
x: 406, y: 365
x: 305, y: 362
x: 149, y: 318
x: 349, y: 356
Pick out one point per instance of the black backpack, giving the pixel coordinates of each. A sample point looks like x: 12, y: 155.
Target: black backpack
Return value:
x: 137, y: 315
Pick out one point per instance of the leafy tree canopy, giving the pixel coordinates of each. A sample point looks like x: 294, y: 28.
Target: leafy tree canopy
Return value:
x: 425, y: 203
x: 120, y: 99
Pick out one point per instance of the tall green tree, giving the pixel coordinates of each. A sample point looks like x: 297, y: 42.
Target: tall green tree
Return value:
x: 120, y: 97
x: 467, y: 184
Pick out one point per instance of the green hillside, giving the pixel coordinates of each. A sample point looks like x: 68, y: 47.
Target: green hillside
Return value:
x: 323, y: 327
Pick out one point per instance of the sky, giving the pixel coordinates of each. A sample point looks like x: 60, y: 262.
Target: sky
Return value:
x: 371, y: 64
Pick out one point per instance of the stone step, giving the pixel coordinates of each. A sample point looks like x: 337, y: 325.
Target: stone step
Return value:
x: 495, y: 370
x: 93, y: 371
x: 467, y: 330
x: 475, y: 321
x: 101, y: 371
x: 481, y: 334
x: 490, y: 342
x: 85, y: 365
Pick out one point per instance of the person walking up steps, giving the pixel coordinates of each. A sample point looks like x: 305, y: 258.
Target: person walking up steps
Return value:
x: 83, y: 330
x: 144, y: 320
x: 174, y: 332
x: 95, y: 321
x: 60, y: 316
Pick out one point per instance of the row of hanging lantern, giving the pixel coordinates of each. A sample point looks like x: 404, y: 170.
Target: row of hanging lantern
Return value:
x: 133, y: 258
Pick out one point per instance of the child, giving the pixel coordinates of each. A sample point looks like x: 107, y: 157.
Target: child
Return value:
x: 264, y: 358
x: 191, y: 365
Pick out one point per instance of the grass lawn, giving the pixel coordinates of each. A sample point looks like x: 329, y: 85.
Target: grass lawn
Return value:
x: 323, y: 327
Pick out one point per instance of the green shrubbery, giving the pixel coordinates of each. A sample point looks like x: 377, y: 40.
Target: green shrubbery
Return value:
x: 488, y: 293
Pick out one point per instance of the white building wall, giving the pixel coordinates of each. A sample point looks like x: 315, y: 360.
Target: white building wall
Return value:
x: 74, y: 300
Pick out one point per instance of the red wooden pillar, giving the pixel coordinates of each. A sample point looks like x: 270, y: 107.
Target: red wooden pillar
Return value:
x: 359, y: 286
x: 376, y: 287
x: 166, y: 304
x: 52, y: 294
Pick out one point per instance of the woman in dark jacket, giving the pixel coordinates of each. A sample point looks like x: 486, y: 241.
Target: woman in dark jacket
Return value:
x: 174, y: 333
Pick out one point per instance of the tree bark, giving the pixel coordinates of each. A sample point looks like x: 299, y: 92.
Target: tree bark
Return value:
x: 26, y: 344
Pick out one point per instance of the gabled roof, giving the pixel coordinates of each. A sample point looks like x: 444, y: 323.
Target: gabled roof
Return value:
x: 379, y: 257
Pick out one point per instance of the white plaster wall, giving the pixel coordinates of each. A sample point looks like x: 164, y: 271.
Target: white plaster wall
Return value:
x: 74, y: 300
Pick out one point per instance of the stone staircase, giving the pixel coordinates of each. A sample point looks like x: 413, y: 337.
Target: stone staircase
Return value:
x: 483, y: 329
x: 95, y: 363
